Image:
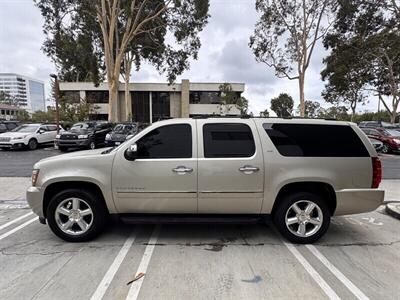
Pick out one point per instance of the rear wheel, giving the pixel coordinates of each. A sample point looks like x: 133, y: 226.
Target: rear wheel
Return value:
x: 76, y: 215
x: 302, y: 217
x: 32, y: 144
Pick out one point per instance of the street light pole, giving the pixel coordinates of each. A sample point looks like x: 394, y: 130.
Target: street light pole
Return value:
x: 57, y: 96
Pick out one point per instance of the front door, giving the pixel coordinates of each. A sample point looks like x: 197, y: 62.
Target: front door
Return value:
x: 163, y: 179
x: 231, y: 167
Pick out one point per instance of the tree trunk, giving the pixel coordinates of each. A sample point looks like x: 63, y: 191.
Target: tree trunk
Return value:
x: 393, y: 113
x: 128, y: 99
x: 113, y: 103
x: 301, y: 92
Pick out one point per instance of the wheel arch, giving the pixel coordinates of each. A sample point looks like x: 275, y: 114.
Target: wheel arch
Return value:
x: 56, y: 187
x: 325, y: 190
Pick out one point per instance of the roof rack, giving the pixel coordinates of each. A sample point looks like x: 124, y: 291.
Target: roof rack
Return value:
x: 258, y: 117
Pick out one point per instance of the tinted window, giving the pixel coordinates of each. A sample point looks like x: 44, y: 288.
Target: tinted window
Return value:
x: 228, y: 140
x: 170, y: 141
x: 52, y: 127
x: 11, y: 126
x: 315, y: 140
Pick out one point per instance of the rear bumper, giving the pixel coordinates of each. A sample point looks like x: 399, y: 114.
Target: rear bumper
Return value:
x: 355, y: 201
x: 34, y: 196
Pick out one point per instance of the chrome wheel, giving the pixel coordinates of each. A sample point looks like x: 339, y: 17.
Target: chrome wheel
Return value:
x: 304, y: 218
x: 74, y: 216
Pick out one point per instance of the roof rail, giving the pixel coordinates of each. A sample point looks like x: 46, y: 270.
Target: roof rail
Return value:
x: 259, y: 117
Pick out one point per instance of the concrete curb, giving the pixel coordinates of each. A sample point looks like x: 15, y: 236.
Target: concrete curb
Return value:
x: 393, y: 209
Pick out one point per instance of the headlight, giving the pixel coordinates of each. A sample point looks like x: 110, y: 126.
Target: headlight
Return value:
x: 18, y: 137
x: 58, y: 136
x: 397, y: 141
x: 108, y: 137
x: 35, y: 174
x: 83, y: 136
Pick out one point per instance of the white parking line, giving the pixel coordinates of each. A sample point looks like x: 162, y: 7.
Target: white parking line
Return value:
x: 17, y: 228
x: 112, y: 270
x: 15, y: 220
x: 339, y: 275
x: 313, y: 273
x: 144, y: 263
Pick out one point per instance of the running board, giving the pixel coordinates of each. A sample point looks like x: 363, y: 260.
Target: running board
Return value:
x: 190, y: 218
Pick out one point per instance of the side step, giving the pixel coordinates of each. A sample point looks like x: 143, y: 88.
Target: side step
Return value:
x: 190, y: 218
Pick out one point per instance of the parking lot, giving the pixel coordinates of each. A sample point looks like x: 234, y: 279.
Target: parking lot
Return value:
x: 358, y: 258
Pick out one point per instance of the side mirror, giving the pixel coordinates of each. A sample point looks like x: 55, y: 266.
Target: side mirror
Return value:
x: 41, y: 131
x: 131, y: 152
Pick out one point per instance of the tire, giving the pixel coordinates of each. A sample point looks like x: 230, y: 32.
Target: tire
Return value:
x: 63, y: 149
x: 385, y: 149
x: 92, y: 145
x: 286, y: 211
x: 73, y: 232
x: 32, y: 144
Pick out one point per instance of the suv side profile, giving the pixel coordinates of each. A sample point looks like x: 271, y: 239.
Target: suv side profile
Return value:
x: 213, y: 169
x: 28, y: 135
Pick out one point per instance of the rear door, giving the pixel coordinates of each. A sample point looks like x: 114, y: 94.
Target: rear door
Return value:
x: 230, y: 167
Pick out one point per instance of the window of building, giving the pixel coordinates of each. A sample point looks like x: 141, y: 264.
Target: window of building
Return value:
x: 160, y: 106
x: 310, y: 140
x: 140, y: 107
x: 97, y: 96
x: 228, y: 140
x: 71, y: 96
x: 170, y: 141
x: 197, y: 97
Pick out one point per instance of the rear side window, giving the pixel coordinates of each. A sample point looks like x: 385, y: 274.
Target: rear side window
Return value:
x: 228, y: 140
x: 170, y: 141
x: 311, y: 140
x: 52, y: 127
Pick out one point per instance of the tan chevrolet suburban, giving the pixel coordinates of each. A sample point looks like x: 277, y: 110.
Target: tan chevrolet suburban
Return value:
x: 299, y: 172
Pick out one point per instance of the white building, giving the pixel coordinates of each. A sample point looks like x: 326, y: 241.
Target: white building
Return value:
x: 154, y: 101
x: 27, y: 92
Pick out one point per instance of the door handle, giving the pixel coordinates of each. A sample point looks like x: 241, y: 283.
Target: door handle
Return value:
x: 248, y: 169
x: 181, y: 170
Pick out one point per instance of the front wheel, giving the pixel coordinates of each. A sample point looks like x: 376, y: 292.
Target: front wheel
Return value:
x: 385, y: 148
x: 92, y: 145
x: 32, y: 144
x: 76, y: 215
x: 302, y: 217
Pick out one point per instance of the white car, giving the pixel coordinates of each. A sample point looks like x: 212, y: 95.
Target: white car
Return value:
x: 28, y: 135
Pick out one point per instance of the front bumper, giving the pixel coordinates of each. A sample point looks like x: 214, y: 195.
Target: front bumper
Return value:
x: 34, y: 196
x: 356, y: 201
x: 113, y: 143
x: 78, y: 143
x: 13, y: 144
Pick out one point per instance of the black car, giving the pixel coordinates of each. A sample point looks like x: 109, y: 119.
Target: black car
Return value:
x: 86, y: 135
x: 6, y: 126
x: 120, y: 133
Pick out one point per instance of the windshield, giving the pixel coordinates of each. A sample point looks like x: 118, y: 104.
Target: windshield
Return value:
x: 80, y: 126
x: 393, y: 132
x: 26, y: 128
x: 121, y: 128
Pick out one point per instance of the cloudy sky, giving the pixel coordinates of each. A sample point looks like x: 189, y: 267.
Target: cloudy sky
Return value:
x: 224, y: 56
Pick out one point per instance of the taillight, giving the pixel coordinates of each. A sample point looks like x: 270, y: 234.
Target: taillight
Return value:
x: 376, y: 172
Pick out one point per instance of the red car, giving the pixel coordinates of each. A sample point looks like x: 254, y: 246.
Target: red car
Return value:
x: 389, y: 137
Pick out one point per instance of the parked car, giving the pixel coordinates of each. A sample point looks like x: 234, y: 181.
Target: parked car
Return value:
x: 86, y: 135
x: 120, y: 133
x: 214, y: 169
x: 6, y: 126
x: 378, y: 145
x: 28, y: 135
x: 389, y: 137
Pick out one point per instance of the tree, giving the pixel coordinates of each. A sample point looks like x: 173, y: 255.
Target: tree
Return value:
x: 371, y: 30
x: 346, y: 73
x: 286, y: 34
x: 282, y: 105
x: 264, y: 113
x: 335, y: 112
x: 312, y: 109
x: 129, y: 31
x: 230, y: 99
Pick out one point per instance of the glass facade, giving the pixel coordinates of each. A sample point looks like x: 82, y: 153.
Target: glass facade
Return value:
x: 97, y: 96
x: 140, y: 107
x: 36, y: 91
x: 160, y: 106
